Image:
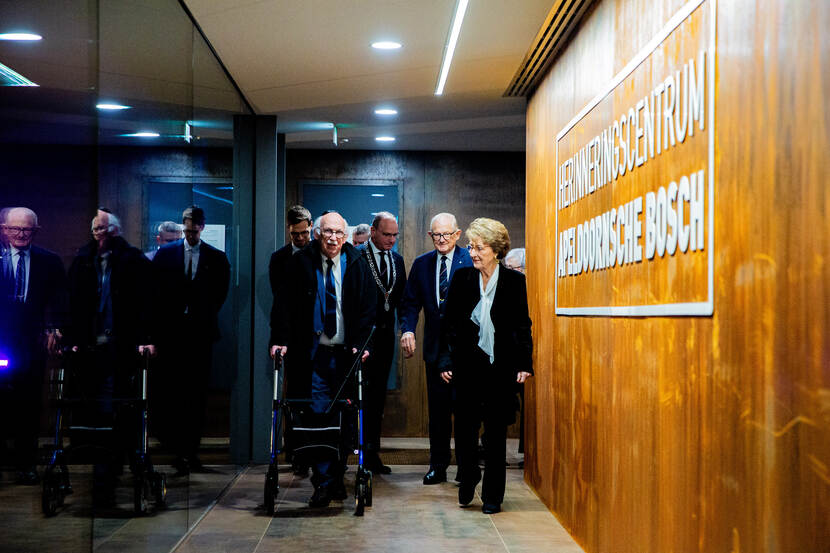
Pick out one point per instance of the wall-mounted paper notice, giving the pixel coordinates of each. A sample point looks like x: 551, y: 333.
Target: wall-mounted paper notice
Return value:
x: 215, y: 236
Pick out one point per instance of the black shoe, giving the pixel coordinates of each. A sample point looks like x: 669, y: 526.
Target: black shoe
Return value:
x: 374, y: 464
x: 466, y: 492
x: 435, y: 476
x: 491, y: 508
x: 28, y: 477
x: 338, y: 491
x: 196, y: 466
x: 320, y: 498
x: 300, y: 470
x: 181, y: 466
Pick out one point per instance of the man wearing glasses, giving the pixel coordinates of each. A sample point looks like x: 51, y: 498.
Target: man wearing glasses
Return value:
x: 110, y: 320
x: 323, y: 322
x: 33, y: 306
x: 429, y: 281
x: 298, y: 221
x: 389, y: 275
x: 198, y: 277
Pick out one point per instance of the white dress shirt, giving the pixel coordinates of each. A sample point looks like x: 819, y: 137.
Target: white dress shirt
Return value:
x: 340, y: 336
x: 15, y: 255
x: 378, y: 254
x: 438, y: 273
x: 191, y: 252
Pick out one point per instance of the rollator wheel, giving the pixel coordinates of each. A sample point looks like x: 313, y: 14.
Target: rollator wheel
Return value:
x: 160, y: 489
x: 272, y: 488
x: 51, y: 497
x: 141, y: 495
x: 359, y: 503
x: 361, y: 491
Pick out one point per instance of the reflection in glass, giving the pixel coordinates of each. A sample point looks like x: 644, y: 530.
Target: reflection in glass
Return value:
x: 132, y: 112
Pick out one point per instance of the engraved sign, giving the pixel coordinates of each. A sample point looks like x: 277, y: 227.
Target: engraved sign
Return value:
x: 635, y: 182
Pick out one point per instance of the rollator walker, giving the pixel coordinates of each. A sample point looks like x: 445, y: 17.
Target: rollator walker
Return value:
x: 147, y: 482
x: 310, y: 436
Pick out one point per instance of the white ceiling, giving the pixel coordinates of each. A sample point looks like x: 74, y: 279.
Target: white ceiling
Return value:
x: 310, y: 63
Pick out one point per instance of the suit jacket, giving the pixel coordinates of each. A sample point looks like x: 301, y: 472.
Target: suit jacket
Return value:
x: 22, y: 325
x: 420, y: 293
x: 204, y: 296
x: 278, y: 268
x: 296, y: 326
x: 131, y: 286
x: 385, y: 320
x: 513, y: 349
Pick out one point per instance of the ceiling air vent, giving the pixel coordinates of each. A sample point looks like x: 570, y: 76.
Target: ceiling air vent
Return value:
x: 563, y: 18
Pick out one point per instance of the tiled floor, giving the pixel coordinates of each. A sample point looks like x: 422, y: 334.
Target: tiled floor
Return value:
x: 223, y: 511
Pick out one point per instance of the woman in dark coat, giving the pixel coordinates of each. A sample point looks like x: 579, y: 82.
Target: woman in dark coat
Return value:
x: 487, y: 353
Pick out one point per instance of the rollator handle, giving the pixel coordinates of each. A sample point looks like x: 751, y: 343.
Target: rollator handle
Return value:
x: 351, y: 370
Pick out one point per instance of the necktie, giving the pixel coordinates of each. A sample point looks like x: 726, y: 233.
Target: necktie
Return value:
x: 20, y: 279
x: 330, y: 323
x: 443, y: 281
x: 190, y: 267
x: 384, y: 271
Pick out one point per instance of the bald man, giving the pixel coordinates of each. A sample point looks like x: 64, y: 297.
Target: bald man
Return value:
x: 327, y: 317
x: 110, y: 321
x: 427, y: 287
x: 33, y: 308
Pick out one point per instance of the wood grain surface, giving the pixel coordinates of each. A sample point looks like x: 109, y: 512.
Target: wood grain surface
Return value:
x: 697, y: 434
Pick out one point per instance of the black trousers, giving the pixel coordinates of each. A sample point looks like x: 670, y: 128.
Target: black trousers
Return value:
x: 21, y: 386
x: 179, y: 390
x: 482, y: 397
x: 329, y: 369
x: 376, y: 373
x: 440, y: 399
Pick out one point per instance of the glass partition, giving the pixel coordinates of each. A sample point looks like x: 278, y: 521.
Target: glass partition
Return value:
x: 120, y: 105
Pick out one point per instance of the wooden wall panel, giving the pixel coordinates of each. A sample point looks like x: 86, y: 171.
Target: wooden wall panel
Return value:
x: 698, y: 434
x: 467, y: 184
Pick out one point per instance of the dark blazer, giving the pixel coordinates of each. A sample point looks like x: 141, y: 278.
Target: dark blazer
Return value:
x: 513, y: 342
x: 22, y: 325
x: 420, y: 292
x: 295, y: 317
x: 131, y: 286
x: 278, y: 268
x: 386, y: 319
x: 209, y: 286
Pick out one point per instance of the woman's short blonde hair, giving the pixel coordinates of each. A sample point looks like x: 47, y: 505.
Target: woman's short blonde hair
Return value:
x: 492, y: 233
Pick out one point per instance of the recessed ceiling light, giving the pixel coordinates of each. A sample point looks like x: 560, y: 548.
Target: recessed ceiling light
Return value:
x: 344, y: 140
x: 385, y: 138
x: 386, y: 45
x: 377, y: 195
x: 452, y: 40
x: 111, y: 107
x: 20, y: 36
x: 142, y: 134
x: 386, y: 111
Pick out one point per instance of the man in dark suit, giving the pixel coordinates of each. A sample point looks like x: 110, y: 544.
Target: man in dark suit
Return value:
x: 298, y: 221
x: 327, y: 318
x: 429, y: 281
x: 389, y: 274
x: 33, y: 309
x: 110, y: 321
x: 196, y: 277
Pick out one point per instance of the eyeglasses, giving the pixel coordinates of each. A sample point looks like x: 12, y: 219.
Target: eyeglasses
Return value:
x: 328, y: 233
x: 297, y: 234
x: 437, y: 236
x: 478, y: 249
x: 103, y: 228
x: 20, y: 230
